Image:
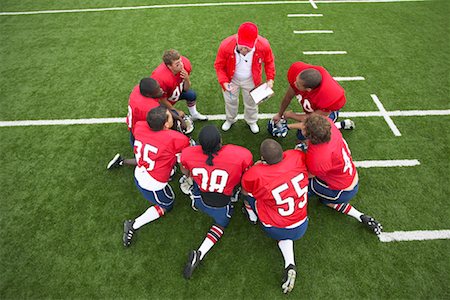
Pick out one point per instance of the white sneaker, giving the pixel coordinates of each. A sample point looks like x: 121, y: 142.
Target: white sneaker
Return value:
x: 227, y: 125
x: 254, y: 127
x: 348, y: 124
x: 199, y: 117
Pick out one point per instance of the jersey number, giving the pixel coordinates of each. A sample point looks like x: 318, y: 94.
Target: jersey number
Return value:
x: 177, y: 92
x: 276, y: 193
x: 347, y: 162
x: 142, y: 155
x: 217, y: 181
x: 129, y: 117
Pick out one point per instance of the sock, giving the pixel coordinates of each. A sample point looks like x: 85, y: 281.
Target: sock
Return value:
x: 251, y: 214
x: 192, y: 108
x: 212, y: 237
x: 148, y: 216
x: 338, y: 125
x: 287, y: 249
x: 347, y: 209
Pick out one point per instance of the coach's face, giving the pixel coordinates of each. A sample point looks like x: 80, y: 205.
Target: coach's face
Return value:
x: 176, y: 66
x: 243, y: 50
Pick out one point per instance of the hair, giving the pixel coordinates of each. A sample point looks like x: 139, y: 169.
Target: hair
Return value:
x: 149, y: 87
x: 157, y: 117
x: 311, y: 78
x: 170, y: 56
x: 210, y: 140
x: 271, y: 151
x: 318, y: 129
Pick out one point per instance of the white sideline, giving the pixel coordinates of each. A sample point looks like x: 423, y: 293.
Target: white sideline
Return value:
x: 313, y: 4
x: 420, y: 235
x: 386, y: 163
x: 323, y: 52
x: 17, y: 13
x: 304, y: 15
x: 312, y: 31
x: 386, y: 117
x: 356, y: 78
x: 221, y: 117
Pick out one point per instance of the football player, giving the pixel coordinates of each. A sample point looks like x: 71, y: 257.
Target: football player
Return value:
x: 155, y: 148
x: 329, y: 160
x: 216, y: 170
x: 173, y: 77
x: 277, y: 189
x: 316, y: 91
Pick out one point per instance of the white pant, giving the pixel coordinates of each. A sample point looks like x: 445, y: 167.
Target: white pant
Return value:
x: 232, y: 101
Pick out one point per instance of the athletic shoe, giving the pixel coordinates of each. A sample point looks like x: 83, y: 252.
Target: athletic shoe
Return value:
x: 254, y: 222
x: 347, y: 124
x: 193, y: 261
x: 128, y: 232
x: 254, y: 128
x: 301, y: 146
x: 227, y: 125
x: 289, y: 279
x: 373, y: 224
x: 186, y: 184
x: 116, y: 162
x: 235, y: 197
x: 199, y: 117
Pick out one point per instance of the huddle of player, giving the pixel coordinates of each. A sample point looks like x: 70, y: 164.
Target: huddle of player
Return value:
x: 275, y: 188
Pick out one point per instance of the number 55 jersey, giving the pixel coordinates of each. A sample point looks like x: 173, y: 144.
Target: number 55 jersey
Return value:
x: 280, y: 190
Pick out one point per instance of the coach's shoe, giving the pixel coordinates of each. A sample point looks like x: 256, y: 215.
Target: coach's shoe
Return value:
x: 128, y: 232
x: 227, y: 125
x: 289, y: 279
x: 116, y: 162
x: 254, y: 128
x: 193, y: 261
x: 347, y: 124
x: 198, y: 117
x: 373, y: 224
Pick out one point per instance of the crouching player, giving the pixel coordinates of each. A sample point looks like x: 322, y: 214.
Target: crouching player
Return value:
x: 155, y: 149
x: 329, y: 160
x: 216, y: 170
x: 277, y: 189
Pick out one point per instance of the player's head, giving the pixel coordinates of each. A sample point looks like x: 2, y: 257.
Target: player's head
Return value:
x: 271, y: 151
x: 211, y: 142
x: 308, y: 79
x: 159, y: 118
x: 317, y: 129
x: 172, y: 59
x: 150, y: 88
x: 246, y: 37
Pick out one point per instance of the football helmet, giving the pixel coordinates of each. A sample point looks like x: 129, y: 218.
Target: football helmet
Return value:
x: 279, y: 129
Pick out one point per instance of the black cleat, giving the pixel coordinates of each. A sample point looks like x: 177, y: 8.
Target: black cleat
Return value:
x: 373, y: 224
x: 347, y: 124
x: 128, y: 232
x: 193, y: 261
x: 116, y: 162
x: 289, y: 279
x: 254, y: 222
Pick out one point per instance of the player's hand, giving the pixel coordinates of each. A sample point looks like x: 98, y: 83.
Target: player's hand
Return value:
x: 184, y: 74
x: 276, y: 118
x: 289, y: 114
x: 181, y: 113
x: 269, y: 83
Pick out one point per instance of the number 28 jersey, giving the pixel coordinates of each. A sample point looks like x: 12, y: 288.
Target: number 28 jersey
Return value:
x: 228, y: 166
x: 280, y: 190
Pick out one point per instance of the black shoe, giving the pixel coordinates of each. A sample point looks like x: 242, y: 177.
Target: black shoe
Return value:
x: 193, y: 261
x: 128, y: 232
x: 254, y: 222
x: 373, y: 224
x: 347, y: 124
x: 289, y: 278
x: 116, y: 162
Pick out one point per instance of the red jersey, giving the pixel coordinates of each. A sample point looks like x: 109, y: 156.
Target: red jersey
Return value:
x: 332, y: 162
x: 328, y: 96
x: 280, y: 190
x: 138, y: 107
x: 229, y: 165
x: 155, y: 152
x: 171, y: 84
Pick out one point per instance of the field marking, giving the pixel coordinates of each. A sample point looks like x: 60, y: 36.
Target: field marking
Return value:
x: 324, y: 52
x: 312, y: 31
x: 221, y: 117
x: 304, y: 15
x: 386, y: 117
x: 387, y: 163
x: 419, y: 235
x: 17, y: 13
x: 313, y: 4
x: 355, y: 78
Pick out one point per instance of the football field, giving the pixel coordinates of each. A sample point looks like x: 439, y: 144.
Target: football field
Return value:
x: 67, y: 69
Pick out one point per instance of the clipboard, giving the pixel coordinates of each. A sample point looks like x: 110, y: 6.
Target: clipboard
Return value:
x: 261, y: 93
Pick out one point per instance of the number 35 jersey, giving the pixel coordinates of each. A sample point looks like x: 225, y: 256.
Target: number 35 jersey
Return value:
x: 280, y: 190
x: 229, y: 164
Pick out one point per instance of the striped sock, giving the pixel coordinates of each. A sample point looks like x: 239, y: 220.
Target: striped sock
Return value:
x: 212, y: 237
x: 151, y: 214
x: 347, y: 209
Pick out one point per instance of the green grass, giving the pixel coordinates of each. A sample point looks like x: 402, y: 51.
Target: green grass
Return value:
x: 61, y: 212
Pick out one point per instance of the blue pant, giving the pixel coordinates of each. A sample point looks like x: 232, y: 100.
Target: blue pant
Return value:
x: 163, y: 198
x: 190, y: 96
x: 330, y: 196
x: 333, y: 116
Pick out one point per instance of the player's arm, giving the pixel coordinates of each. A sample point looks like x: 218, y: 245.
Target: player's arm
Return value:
x: 323, y: 112
x: 299, y: 117
x: 290, y: 93
x: 171, y: 108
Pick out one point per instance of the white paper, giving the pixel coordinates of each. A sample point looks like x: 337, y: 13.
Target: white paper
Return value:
x: 261, y: 93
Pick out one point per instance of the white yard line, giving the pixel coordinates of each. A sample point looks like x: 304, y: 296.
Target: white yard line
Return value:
x: 221, y: 117
x: 304, y: 15
x: 387, y: 163
x: 313, y: 4
x: 17, y: 13
x: 386, y: 117
x: 324, y: 52
x: 312, y: 31
x: 419, y: 235
x: 355, y: 78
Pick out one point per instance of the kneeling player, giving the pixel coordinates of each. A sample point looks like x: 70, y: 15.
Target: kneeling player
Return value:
x: 155, y: 148
x: 216, y: 170
x: 329, y: 160
x: 277, y: 190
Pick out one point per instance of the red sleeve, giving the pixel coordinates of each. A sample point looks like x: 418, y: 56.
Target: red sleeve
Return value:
x: 221, y: 64
x: 269, y: 61
x: 180, y: 142
x: 187, y: 64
